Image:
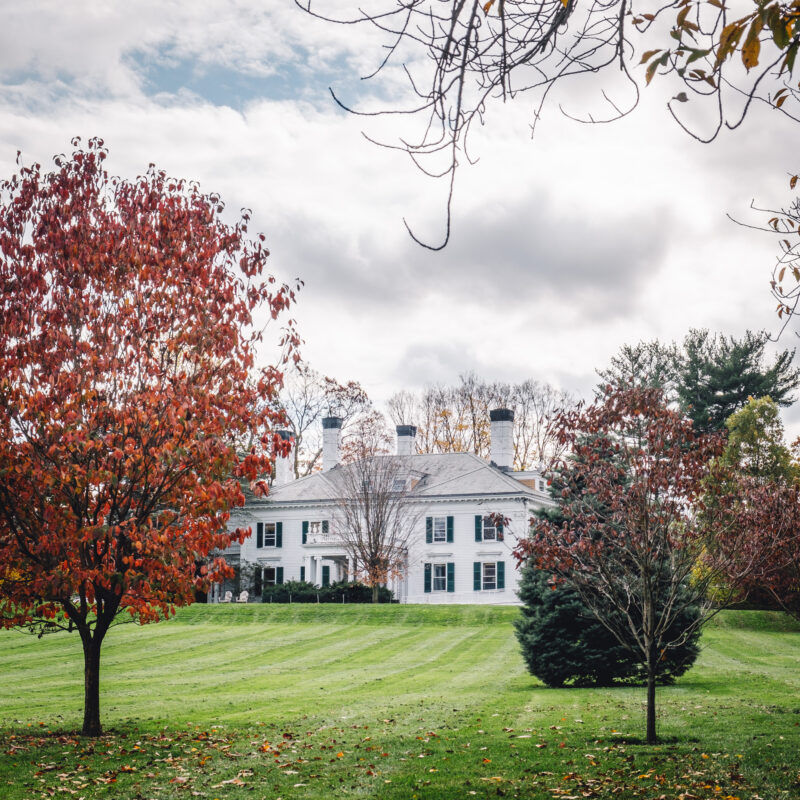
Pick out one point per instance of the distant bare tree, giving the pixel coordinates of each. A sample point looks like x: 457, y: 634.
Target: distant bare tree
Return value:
x: 536, y: 407
x: 368, y: 435
x: 307, y: 397
x: 403, y: 407
x: 455, y: 419
x: 374, y: 511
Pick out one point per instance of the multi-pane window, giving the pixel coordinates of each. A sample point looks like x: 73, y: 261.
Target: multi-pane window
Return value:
x: 439, y: 577
x: 488, y: 528
x: 398, y: 484
x: 489, y: 576
x: 438, y: 529
x: 269, y: 534
x: 266, y: 576
x: 489, y: 579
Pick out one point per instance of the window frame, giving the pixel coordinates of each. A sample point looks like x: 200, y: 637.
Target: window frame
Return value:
x: 484, y: 587
x: 270, y: 529
x: 488, y: 525
x: 435, y: 539
x: 441, y: 578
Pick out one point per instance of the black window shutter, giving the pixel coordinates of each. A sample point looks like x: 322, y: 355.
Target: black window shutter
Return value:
x: 326, y: 575
x: 478, y: 528
x: 500, y: 532
x: 325, y: 526
x: 302, y: 573
x: 476, y: 576
x: 260, y: 534
x: 278, y: 534
x: 428, y: 530
x: 451, y: 576
x: 257, y: 581
x: 279, y: 575
x: 305, y: 531
x: 427, y: 578
x: 449, y: 529
x: 501, y: 574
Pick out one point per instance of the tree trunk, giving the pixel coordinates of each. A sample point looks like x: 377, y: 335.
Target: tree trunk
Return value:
x: 375, y: 592
x: 652, y: 664
x: 91, y: 684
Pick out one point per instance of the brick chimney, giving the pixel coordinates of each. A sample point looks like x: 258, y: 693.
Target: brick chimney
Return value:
x: 502, y: 438
x: 331, y: 429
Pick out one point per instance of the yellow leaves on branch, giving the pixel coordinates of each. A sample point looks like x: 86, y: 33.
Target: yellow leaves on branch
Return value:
x: 776, y: 21
x: 781, y: 22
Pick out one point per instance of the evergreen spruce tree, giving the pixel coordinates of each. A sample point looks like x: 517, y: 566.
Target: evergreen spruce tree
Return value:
x: 562, y: 642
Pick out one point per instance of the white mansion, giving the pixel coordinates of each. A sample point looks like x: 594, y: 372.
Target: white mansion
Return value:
x: 457, y: 554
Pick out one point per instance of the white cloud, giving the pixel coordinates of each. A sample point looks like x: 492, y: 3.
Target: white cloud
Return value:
x: 563, y: 247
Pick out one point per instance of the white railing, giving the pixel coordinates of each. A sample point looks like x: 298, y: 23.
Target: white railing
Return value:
x: 324, y: 538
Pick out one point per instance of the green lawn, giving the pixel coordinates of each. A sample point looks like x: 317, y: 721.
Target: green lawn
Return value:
x: 398, y: 702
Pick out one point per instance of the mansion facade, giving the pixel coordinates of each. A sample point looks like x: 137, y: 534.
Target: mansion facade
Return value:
x: 457, y: 551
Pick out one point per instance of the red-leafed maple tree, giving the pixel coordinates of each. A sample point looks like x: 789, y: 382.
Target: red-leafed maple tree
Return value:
x: 635, y: 523
x: 763, y: 558
x: 127, y: 374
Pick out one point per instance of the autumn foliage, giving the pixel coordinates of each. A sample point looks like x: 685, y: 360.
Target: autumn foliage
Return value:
x: 631, y: 539
x: 763, y: 557
x: 128, y: 345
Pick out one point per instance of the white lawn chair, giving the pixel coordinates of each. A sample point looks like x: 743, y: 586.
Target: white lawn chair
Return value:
x: 243, y: 597
x: 228, y: 598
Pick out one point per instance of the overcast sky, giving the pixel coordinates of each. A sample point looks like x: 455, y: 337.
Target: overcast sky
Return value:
x: 563, y: 248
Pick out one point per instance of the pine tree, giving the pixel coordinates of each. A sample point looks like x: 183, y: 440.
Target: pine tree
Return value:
x: 718, y: 374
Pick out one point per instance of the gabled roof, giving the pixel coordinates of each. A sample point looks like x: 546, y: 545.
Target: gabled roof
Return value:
x: 442, y: 475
